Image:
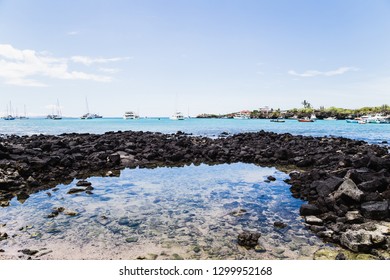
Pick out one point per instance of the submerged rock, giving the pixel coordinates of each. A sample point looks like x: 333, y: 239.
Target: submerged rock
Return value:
x: 248, y: 239
x: 28, y: 252
x: 83, y: 183
x: 3, y: 236
x: 131, y: 239
x: 75, y: 190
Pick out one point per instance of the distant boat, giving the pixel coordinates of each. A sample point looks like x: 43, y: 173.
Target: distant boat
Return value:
x: 313, y: 117
x: 130, y: 115
x: 58, y: 115
x: 25, y: 115
x: 241, y: 116
x: 306, y: 120
x: 278, y: 120
x: 330, y: 119
x: 9, y: 116
x: 352, y: 121
x: 178, y: 116
x: 378, y: 118
x: 295, y: 117
x: 88, y: 115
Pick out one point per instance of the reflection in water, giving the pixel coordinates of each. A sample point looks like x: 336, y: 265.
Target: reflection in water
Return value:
x: 193, y: 212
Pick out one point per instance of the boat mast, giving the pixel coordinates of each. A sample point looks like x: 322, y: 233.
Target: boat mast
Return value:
x: 58, y: 109
x: 86, y: 103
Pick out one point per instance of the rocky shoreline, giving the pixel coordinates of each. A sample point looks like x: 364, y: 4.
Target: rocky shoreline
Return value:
x: 345, y: 182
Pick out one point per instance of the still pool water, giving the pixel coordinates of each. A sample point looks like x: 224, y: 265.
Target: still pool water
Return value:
x: 192, y: 212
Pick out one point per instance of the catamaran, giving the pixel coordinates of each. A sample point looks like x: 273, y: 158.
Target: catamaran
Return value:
x: 178, y: 116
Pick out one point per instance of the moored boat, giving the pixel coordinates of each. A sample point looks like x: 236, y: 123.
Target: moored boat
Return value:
x: 306, y: 120
x: 241, y: 116
x: 178, y: 116
x: 278, y: 120
x: 130, y: 115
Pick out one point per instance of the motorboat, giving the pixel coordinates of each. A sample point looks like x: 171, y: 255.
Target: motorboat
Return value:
x: 241, y: 116
x: 178, y: 116
x: 378, y: 118
x: 330, y: 119
x: 278, y: 120
x: 130, y: 115
x: 306, y: 119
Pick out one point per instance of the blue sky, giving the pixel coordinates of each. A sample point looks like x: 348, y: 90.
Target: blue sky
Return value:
x: 200, y: 56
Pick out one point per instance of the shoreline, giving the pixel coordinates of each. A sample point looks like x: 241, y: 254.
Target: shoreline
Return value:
x: 345, y: 182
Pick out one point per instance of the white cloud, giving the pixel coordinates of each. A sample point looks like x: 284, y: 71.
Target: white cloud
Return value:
x: 109, y: 70
x: 73, y: 33
x: 314, y: 73
x: 29, y: 68
x: 91, y: 60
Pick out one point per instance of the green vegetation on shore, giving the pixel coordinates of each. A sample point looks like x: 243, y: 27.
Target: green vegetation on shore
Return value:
x: 306, y: 111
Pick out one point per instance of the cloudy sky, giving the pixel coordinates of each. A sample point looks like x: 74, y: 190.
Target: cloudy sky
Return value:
x: 212, y: 56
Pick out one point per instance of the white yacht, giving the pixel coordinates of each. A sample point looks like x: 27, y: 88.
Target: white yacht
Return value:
x: 89, y: 116
x: 130, y: 115
x: 178, y: 116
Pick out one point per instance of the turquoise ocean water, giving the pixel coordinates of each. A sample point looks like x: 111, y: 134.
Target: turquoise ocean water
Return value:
x: 372, y: 133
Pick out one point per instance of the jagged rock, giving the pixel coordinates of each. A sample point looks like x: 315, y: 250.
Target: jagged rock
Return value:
x: 114, y: 158
x: 309, y: 210
x: 349, y: 190
x: 324, y: 188
x: 354, y: 217
x: 357, y: 241
x: 377, y: 210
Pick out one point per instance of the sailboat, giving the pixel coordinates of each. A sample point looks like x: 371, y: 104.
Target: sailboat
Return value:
x: 88, y: 115
x: 9, y: 116
x: 58, y: 115
x: 25, y: 115
x: 177, y: 115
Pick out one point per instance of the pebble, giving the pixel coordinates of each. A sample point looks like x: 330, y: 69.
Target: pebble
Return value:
x: 131, y: 239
